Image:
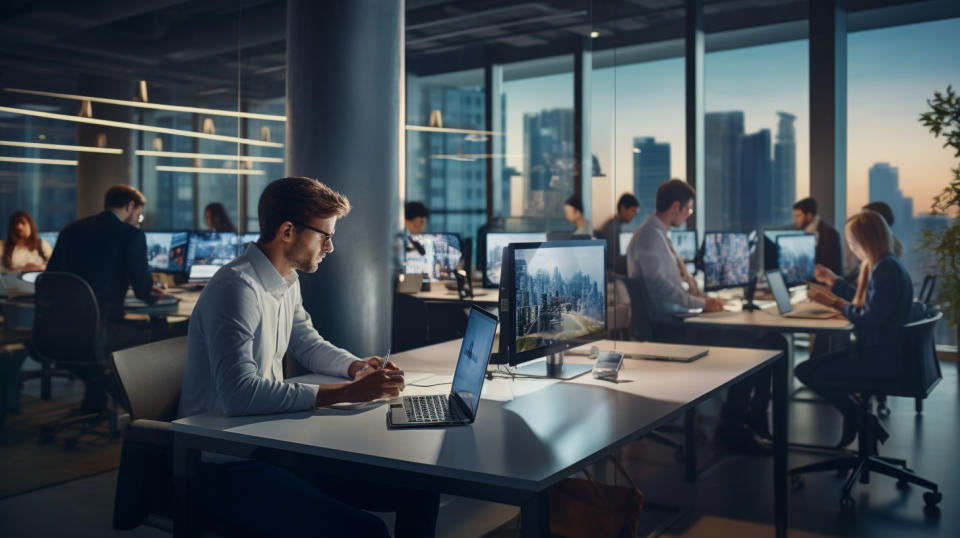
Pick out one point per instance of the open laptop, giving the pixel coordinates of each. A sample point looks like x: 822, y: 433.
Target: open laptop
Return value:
x: 460, y: 406
x: 781, y: 295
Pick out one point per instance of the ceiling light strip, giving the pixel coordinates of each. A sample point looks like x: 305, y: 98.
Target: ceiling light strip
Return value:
x: 215, y: 156
x: 31, y: 160
x: 198, y: 170
x: 450, y: 130
x: 154, y: 106
x: 138, y: 127
x: 64, y: 147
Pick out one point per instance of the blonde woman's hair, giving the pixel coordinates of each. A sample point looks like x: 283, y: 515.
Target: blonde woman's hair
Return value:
x: 870, y: 232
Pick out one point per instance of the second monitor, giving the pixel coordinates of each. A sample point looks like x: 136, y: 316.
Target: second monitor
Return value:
x: 726, y: 260
x: 552, y: 298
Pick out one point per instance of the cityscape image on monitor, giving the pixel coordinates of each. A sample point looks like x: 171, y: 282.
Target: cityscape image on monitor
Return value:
x: 684, y: 243
x: 212, y: 248
x: 495, y: 244
x: 726, y: 260
x: 560, y: 294
x: 440, y: 258
x: 167, y: 251
x: 796, y: 256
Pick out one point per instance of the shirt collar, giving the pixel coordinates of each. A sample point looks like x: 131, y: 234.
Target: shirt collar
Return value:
x: 657, y: 222
x: 814, y: 224
x: 275, y: 283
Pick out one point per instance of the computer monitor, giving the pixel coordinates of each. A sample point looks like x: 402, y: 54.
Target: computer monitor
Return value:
x: 494, y: 252
x: 796, y: 257
x: 442, y: 253
x: 770, y: 236
x: 208, y: 252
x: 167, y: 251
x: 685, y: 243
x: 246, y: 239
x: 726, y: 260
x: 625, y: 238
x: 552, y: 298
x: 49, y: 237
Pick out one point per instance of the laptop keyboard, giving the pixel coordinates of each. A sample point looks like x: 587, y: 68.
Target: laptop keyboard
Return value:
x: 431, y: 409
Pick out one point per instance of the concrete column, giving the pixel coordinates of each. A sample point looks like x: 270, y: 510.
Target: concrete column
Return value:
x: 97, y: 172
x: 828, y: 109
x: 344, y: 100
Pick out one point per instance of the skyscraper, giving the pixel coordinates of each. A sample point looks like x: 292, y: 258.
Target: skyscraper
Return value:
x: 724, y: 133
x: 548, y: 160
x: 784, y: 187
x: 885, y: 185
x: 756, y: 171
x: 651, y: 167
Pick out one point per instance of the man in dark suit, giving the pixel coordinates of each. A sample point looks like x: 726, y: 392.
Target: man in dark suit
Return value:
x: 627, y: 208
x: 806, y: 217
x: 109, y: 251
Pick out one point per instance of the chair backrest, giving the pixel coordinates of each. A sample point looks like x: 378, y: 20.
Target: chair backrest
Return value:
x: 151, y: 376
x: 641, y: 328
x: 921, y: 370
x: 926, y: 289
x: 66, y: 322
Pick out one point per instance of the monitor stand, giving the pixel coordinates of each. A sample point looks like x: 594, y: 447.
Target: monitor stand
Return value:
x: 554, y: 368
x: 748, y: 305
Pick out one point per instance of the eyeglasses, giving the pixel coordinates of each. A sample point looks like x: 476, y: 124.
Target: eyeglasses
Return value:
x: 326, y: 236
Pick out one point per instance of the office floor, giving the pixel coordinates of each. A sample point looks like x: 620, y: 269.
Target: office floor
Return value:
x: 731, y: 497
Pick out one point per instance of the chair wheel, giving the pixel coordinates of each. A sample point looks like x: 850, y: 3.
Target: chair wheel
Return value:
x: 846, y: 503
x: 797, y: 482
x: 932, y: 498
x: 903, y: 484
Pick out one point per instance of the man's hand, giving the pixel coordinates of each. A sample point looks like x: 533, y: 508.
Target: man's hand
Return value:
x: 825, y: 275
x: 372, y: 385
x: 713, y: 305
x: 364, y: 367
x: 825, y: 298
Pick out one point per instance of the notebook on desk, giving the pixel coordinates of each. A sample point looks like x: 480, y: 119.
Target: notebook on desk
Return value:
x: 662, y: 352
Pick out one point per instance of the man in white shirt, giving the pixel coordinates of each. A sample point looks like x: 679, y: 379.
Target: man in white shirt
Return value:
x: 247, y: 318
x: 671, y: 290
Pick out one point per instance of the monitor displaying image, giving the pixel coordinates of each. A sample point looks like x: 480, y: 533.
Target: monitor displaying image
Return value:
x: 726, y: 260
x: 559, y: 294
x: 167, y: 251
x: 442, y: 253
x: 770, y: 236
x: 495, y: 243
x: 685, y: 243
x: 796, y: 257
x: 211, y: 249
x: 49, y: 237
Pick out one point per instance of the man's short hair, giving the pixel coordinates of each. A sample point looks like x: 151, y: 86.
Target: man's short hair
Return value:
x: 882, y: 209
x: 674, y: 190
x: 119, y: 196
x: 575, y: 202
x: 627, y: 201
x: 297, y: 200
x: 808, y: 206
x: 415, y: 209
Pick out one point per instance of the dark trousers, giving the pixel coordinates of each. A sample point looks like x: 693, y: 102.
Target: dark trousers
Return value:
x: 270, y: 500
x: 820, y: 371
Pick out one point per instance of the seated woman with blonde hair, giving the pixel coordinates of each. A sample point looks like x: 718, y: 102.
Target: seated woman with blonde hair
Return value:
x: 878, y: 306
x: 23, y: 250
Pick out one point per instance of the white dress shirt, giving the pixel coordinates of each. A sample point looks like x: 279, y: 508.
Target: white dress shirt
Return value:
x: 22, y: 256
x: 650, y: 256
x: 246, y: 319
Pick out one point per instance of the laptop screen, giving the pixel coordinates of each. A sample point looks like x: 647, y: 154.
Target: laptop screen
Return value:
x: 474, y: 353
x: 779, y: 290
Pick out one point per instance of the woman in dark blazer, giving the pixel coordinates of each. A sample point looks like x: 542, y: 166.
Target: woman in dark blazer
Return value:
x: 877, y: 306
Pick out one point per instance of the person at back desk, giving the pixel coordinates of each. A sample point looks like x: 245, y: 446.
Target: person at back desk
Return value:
x: 249, y: 315
x: 671, y: 289
x: 877, y: 306
x: 109, y: 252
x: 806, y: 217
x: 627, y: 208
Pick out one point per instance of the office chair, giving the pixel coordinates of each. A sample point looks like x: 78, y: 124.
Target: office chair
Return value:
x: 149, y: 378
x: 67, y: 334
x: 919, y: 375
x: 925, y: 296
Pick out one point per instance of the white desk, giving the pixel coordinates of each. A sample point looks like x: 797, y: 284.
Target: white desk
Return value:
x: 439, y: 293
x: 529, y: 434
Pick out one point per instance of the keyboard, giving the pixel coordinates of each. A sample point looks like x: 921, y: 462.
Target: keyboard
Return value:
x: 430, y: 409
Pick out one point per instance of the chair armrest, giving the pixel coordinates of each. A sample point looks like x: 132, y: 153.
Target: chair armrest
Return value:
x: 150, y: 432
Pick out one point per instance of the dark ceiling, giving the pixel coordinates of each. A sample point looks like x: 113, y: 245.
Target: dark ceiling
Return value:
x: 197, y: 46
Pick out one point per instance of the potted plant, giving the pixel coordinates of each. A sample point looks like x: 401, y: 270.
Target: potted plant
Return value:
x: 943, y: 119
